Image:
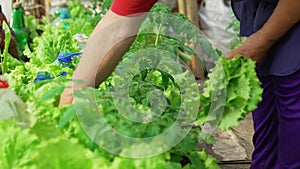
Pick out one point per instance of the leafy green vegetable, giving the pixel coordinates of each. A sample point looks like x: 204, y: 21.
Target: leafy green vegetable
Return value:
x: 240, y: 86
x: 4, y: 56
x: 62, y: 154
x: 201, y: 159
x: 32, y: 25
x: 56, y: 137
x: 17, y: 146
x: 47, y: 46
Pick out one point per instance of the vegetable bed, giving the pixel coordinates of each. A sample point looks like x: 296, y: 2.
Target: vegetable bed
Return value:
x: 148, y: 114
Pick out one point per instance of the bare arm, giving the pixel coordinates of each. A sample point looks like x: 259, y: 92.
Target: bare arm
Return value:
x: 109, y: 41
x: 111, y: 38
x: 284, y: 17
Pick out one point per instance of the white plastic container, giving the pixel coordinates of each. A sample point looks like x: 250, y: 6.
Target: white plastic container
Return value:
x: 11, y: 106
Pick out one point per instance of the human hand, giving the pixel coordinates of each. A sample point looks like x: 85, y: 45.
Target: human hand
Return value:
x: 255, y: 47
x: 66, y: 97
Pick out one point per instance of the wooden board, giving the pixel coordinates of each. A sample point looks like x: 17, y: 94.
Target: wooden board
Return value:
x: 190, y: 9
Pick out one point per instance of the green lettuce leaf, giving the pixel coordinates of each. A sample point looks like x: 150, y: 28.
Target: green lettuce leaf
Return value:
x: 236, y: 78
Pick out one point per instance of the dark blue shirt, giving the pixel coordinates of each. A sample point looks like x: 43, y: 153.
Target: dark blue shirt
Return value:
x: 284, y: 56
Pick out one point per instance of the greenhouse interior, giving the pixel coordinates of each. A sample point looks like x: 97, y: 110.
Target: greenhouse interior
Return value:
x: 149, y: 84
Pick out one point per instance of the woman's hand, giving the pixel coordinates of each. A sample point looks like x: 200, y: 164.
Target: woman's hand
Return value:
x: 66, y: 97
x: 255, y: 48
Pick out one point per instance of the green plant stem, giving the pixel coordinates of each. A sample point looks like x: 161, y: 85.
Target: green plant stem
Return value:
x: 5, y: 51
x: 184, y: 57
x: 157, y: 35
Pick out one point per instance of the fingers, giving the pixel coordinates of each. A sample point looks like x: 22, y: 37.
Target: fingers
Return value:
x: 66, y: 98
x: 232, y: 54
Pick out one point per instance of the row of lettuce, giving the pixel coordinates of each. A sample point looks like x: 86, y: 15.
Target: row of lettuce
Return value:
x: 52, y: 137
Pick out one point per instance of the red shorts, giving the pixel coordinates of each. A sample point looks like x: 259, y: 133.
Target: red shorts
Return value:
x: 131, y: 7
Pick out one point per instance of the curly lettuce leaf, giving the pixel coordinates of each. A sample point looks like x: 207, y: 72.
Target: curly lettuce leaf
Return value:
x: 17, y: 146
x: 242, y: 89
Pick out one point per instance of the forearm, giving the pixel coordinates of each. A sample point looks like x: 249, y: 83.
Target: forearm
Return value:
x: 112, y: 58
x: 284, y: 17
x: 109, y: 41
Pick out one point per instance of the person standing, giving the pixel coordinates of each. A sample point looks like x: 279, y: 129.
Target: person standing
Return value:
x: 273, y: 27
